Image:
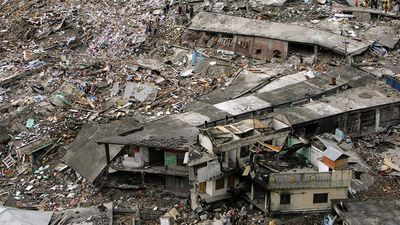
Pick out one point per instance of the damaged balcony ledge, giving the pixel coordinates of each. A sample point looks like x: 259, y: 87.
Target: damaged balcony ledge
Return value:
x: 283, y: 180
x: 165, y: 170
x: 212, y: 199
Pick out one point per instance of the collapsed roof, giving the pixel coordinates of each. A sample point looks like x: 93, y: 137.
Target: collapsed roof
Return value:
x: 219, y: 23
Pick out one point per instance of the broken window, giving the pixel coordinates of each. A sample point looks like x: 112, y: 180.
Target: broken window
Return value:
x: 219, y: 183
x: 285, y: 199
x: 231, y: 181
x: 258, y: 51
x: 179, y: 182
x: 202, y: 187
x: 179, y: 159
x: 170, y: 159
x: 277, y: 54
x: 244, y: 151
x: 320, y: 198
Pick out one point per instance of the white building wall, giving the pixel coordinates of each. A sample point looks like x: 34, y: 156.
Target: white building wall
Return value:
x: 302, y: 199
x: 210, y: 188
x: 206, y: 143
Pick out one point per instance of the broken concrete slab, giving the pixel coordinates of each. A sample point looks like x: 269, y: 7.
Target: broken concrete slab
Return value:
x: 141, y: 91
x: 261, y: 3
x: 95, y: 215
x: 218, y: 23
x: 85, y: 156
x: 152, y: 64
x: 115, y: 89
x: 287, y: 80
x: 367, y: 10
x: 35, y: 146
x: 179, y: 57
x: 379, y: 72
x: 24, y: 217
x: 362, y: 17
x: 385, y: 35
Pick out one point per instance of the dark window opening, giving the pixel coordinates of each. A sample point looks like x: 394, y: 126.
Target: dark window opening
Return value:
x: 285, y: 199
x: 277, y: 54
x: 219, y: 183
x: 320, y: 198
x: 343, y: 207
x: 311, y: 129
x: 357, y: 174
x: 258, y: 51
x: 244, y: 151
x: 179, y: 159
x: 179, y: 182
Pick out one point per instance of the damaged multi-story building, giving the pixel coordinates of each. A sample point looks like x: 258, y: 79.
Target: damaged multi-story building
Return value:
x: 257, y: 159
x: 256, y: 146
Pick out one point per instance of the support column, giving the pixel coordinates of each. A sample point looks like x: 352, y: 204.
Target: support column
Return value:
x: 252, y: 192
x: 377, y: 119
x: 142, y: 176
x: 107, y: 149
x: 266, y: 201
x: 359, y: 123
x: 315, y: 54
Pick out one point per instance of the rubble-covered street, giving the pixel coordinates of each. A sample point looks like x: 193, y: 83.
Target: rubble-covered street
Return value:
x: 199, y: 112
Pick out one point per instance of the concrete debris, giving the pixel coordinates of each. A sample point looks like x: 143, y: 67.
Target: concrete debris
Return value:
x: 162, y: 108
x: 141, y: 92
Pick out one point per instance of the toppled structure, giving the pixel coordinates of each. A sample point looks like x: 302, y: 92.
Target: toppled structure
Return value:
x: 261, y: 39
x: 155, y: 148
x: 77, y: 66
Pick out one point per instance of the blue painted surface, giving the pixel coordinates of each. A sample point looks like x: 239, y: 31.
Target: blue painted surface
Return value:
x: 393, y: 83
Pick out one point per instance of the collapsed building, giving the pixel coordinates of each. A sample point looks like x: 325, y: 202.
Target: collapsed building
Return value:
x: 265, y: 40
x: 257, y: 158
x: 307, y: 120
x: 259, y: 151
x: 290, y: 136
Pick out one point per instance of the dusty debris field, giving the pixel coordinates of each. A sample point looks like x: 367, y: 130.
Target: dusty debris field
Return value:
x: 66, y: 63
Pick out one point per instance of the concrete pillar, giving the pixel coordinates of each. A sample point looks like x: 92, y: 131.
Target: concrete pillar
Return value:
x: 349, y: 59
x: 377, y: 119
x: 142, y: 176
x: 252, y: 192
x: 344, y: 123
x: 194, y: 192
x: 315, y: 54
x: 107, y: 149
x: 359, y: 122
x: 266, y: 201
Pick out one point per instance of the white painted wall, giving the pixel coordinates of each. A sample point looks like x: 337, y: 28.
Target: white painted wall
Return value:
x: 278, y: 124
x: 232, y: 156
x: 138, y: 160
x: 144, y: 153
x: 322, y: 167
x: 206, y: 143
x: 210, y: 188
x: 315, y: 156
x: 302, y: 199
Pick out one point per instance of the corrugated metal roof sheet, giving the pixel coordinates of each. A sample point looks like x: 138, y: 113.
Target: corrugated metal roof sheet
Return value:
x: 333, y: 154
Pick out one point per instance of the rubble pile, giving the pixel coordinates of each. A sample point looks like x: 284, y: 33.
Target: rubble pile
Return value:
x: 382, y: 155
x: 64, y: 64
